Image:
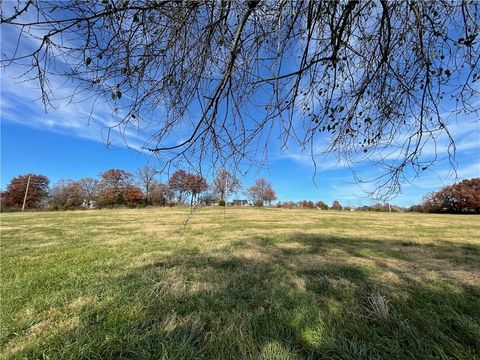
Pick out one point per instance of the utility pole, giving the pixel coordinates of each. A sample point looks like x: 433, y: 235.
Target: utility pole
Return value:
x: 225, y: 200
x: 26, y: 192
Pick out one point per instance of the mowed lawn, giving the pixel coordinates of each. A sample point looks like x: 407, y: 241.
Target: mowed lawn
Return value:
x: 259, y: 284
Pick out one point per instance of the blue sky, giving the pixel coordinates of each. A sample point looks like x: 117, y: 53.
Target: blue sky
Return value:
x: 30, y: 144
x: 65, y: 143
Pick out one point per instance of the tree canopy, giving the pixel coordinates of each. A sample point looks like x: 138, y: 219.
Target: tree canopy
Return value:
x: 373, y: 80
x: 261, y: 191
x: 14, y: 195
x: 113, y: 186
x: 224, y: 184
x: 463, y: 197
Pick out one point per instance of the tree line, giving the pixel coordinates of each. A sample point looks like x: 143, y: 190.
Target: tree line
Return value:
x: 119, y: 188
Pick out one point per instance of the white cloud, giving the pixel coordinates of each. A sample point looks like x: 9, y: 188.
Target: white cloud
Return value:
x: 20, y: 104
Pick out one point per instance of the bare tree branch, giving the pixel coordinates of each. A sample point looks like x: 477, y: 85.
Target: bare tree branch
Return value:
x: 223, y: 81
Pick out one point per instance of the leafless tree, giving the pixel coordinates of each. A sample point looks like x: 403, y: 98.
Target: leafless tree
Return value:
x: 146, y: 178
x: 225, y: 183
x: 66, y: 194
x: 89, y: 187
x: 375, y: 80
x: 160, y: 194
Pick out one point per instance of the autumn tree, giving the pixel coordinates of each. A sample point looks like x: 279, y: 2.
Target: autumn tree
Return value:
x: 307, y: 204
x: 14, y: 195
x: 321, y: 205
x: 290, y: 204
x: 225, y: 183
x: 178, y: 182
x: 112, y: 187
x: 270, y: 196
x: 366, y: 78
x: 75, y: 195
x: 133, y: 195
x: 463, y: 197
x: 196, y: 184
x: 146, y: 178
x: 89, y: 187
x: 336, y: 205
x: 260, y: 191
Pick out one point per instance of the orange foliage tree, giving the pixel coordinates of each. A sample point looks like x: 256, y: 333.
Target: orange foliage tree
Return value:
x: 463, y: 197
x: 37, y: 191
x: 113, y: 186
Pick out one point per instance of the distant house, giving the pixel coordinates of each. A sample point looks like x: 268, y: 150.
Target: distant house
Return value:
x: 239, y: 202
x: 91, y: 205
x: 209, y: 202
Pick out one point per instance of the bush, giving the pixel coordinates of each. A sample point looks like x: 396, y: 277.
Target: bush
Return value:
x: 259, y: 203
x: 221, y: 203
x: 9, y: 209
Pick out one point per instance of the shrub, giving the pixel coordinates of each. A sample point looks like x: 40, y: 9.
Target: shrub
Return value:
x: 259, y: 203
x: 221, y: 203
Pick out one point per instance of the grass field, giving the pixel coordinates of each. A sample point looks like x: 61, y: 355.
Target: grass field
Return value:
x: 263, y: 284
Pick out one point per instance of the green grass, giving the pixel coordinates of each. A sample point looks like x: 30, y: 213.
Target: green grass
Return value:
x: 263, y: 284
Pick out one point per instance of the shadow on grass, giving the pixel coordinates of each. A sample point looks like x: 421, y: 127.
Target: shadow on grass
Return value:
x: 303, y: 297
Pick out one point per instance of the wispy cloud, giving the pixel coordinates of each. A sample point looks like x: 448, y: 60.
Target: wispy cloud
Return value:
x: 20, y: 103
